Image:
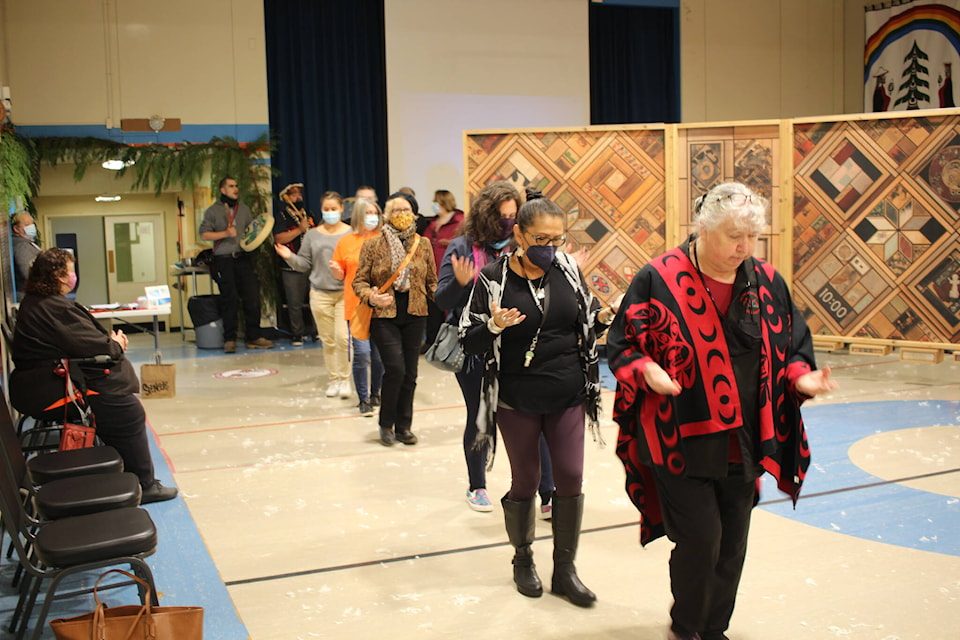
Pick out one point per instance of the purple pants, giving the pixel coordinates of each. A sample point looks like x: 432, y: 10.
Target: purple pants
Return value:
x: 563, y: 431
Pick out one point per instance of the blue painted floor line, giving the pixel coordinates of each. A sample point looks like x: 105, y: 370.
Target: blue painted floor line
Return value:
x: 183, y: 571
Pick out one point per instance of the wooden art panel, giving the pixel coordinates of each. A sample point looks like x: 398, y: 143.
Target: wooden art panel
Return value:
x: 710, y: 155
x: 876, y: 227
x: 611, y: 184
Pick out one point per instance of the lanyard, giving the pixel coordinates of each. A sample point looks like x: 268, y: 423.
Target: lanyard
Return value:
x: 541, y: 293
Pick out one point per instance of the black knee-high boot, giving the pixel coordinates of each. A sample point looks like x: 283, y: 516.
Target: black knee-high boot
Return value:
x: 520, y: 522
x: 567, y: 516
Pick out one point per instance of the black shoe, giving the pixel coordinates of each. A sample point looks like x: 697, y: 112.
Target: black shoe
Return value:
x: 365, y: 409
x: 374, y: 399
x: 406, y: 437
x: 156, y: 492
x: 387, y: 438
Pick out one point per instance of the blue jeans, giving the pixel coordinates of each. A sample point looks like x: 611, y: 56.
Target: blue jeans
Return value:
x: 365, y: 354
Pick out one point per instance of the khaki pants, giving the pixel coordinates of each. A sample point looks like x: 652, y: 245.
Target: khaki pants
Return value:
x: 327, y: 309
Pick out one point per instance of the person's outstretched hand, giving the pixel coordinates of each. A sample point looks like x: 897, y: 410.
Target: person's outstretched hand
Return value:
x: 816, y: 382
x: 463, y: 269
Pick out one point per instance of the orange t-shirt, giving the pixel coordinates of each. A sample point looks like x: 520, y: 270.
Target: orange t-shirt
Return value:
x: 347, y: 255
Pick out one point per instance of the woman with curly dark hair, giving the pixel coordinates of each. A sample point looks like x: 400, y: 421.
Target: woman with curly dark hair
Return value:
x: 51, y: 327
x: 484, y: 236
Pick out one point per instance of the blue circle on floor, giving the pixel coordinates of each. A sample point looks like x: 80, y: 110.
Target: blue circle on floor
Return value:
x: 841, y: 497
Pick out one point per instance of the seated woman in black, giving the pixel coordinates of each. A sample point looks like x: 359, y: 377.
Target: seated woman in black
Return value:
x: 51, y: 327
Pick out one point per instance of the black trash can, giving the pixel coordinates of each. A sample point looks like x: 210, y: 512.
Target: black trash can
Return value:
x: 207, y: 324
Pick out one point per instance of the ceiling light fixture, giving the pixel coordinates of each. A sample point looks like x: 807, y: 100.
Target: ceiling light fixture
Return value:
x: 106, y: 198
x: 116, y: 164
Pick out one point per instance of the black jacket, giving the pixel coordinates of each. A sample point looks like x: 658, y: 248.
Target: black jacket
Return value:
x: 50, y: 328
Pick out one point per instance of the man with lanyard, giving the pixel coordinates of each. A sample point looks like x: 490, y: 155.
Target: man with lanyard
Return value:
x: 25, y: 248
x: 291, y: 222
x: 223, y: 224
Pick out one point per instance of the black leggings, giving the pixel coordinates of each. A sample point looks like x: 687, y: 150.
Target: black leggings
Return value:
x: 521, y: 434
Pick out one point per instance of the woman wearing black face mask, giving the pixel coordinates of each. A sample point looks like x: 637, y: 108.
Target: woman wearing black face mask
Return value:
x: 535, y: 321
x: 485, y: 236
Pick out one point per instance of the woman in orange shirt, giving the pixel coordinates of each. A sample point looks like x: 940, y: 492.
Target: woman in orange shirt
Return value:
x: 366, y: 221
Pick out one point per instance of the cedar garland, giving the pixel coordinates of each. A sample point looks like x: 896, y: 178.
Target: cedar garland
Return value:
x: 156, y: 167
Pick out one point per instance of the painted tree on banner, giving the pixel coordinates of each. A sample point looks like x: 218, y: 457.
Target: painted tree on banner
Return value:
x: 922, y: 40
x: 911, y: 88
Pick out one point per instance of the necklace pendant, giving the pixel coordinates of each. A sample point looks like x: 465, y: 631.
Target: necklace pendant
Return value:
x: 527, y: 358
x: 539, y: 294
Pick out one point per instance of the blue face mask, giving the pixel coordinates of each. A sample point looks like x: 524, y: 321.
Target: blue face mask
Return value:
x: 371, y: 221
x: 436, y: 208
x: 30, y: 231
x: 500, y: 244
x: 331, y: 217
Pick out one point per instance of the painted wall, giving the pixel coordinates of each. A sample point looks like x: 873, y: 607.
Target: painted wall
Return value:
x: 459, y: 64
x: 94, y: 62
x: 760, y: 59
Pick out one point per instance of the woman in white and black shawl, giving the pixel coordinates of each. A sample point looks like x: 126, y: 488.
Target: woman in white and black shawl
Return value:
x: 535, y: 321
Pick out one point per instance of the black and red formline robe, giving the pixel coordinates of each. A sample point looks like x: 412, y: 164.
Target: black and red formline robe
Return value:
x: 668, y: 316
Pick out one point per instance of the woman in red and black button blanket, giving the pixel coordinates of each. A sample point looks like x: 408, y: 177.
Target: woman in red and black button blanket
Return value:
x: 713, y: 361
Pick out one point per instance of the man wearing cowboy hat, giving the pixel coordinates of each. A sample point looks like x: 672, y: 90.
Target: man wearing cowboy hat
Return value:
x: 291, y: 221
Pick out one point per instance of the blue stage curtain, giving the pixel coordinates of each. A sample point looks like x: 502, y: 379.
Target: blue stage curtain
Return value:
x: 634, y: 66
x: 326, y: 85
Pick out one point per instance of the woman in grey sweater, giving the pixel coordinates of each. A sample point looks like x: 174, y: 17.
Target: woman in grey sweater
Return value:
x: 326, y: 291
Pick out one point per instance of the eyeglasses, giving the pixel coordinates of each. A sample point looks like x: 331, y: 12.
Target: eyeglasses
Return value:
x: 406, y: 210
x: 734, y: 200
x: 543, y: 241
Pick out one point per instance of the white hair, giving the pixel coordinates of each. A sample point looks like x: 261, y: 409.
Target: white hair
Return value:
x: 714, y: 209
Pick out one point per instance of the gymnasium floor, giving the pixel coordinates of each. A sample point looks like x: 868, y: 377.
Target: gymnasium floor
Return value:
x: 317, y: 531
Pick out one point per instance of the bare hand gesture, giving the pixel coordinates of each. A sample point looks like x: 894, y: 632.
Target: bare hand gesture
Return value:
x: 282, y: 250
x: 336, y: 270
x: 580, y: 257
x: 660, y: 381
x: 120, y: 338
x: 816, y: 382
x: 231, y: 231
x: 380, y: 299
x: 463, y: 269
x: 504, y: 318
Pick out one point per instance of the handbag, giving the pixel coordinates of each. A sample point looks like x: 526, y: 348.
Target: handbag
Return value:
x: 363, y: 313
x: 73, y: 435
x: 131, y: 622
x: 445, y: 352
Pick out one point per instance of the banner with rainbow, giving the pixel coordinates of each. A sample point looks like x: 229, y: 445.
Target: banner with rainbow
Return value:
x: 910, y: 51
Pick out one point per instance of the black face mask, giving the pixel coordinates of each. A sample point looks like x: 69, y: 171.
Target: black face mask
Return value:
x: 227, y: 200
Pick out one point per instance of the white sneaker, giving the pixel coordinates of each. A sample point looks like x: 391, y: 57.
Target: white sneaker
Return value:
x: 332, y: 389
x: 479, y: 500
x: 345, y: 389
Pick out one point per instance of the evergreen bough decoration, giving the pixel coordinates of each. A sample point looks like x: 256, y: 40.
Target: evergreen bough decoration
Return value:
x: 18, y: 177
x: 162, y: 167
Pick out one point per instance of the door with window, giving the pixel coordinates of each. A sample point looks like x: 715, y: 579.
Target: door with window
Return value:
x: 135, y: 255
